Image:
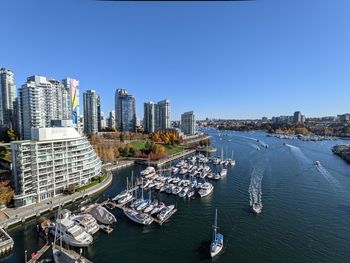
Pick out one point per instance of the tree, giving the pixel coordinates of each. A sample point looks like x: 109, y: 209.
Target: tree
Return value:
x: 12, y: 135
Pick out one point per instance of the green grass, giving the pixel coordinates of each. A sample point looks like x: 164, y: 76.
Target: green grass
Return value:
x: 138, y: 145
x: 170, y: 150
x: 87, y: 186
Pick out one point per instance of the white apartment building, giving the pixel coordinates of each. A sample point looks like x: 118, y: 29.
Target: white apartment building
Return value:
x: 188, y: 123
x: 54, y: 159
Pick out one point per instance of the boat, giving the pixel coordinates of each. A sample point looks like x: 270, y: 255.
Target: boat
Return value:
x: 147, y: 171
x: 87, y: 221
x: 184, y: 191
x: 217, y: 243
x: 102, y: 215
x: 128, y: 198
x: 165, y: 212
x: 120, y: 195
x: 151, y: 206
x: 176, y: 190
x: 71, y: 233
x: 205, y: 189
x: 190, y: 193
x: 223, y: 172
x: 140, y: 218
x: 163, y: 188
x: 256, y: 207
x: 317, y: 163
x: 158, y: 208
x: 217, y: 176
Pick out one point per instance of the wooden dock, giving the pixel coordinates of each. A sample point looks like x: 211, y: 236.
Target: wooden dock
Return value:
x: 39, y: 253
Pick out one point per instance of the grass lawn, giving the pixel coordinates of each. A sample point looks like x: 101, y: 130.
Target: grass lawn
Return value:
x: 138, y: 145
x: 170, y: 150
x: 103, y: 177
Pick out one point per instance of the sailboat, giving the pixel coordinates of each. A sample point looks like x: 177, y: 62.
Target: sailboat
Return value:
x: 218, y: 239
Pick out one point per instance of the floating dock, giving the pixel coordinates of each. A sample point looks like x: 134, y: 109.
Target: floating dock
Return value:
x: 6, y: 242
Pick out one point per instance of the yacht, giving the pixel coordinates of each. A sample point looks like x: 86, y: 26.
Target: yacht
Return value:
x: 87, y: 221
x: 218, y: 239
x: 102, y: 215
x: 165, y: 212
x: 140, y: 218
x: 206, y: 189
x: 257, y: 208
x: 120, y: 195
x: 71, y: 233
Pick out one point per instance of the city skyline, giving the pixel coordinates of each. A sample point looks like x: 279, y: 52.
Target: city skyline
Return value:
x: 228, y: 57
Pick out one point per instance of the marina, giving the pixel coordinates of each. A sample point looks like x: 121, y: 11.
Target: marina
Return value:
x: 191, y: 217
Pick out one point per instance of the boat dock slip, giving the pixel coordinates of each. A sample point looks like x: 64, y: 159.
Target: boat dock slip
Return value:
x: 6, y: 242
x: 39, y: 254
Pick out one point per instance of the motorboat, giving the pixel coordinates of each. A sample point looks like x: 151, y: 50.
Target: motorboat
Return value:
x: 184, y: 191
x: 128, y: 198
x: 102, y: 215
x: 205, y: 189
x: 165, y: 212
x: 163, y: 188
x: 177, y: 190
x: 190, y: 193
x: 147, y: 171
x: 217, y: 243
x: 223, y: 172
x: 317, y: 163
x: 158, y: 208
x: 140, y: 218
x: 87, y: 221
x: 217, y: 176
x: 256, y: 207
x: 151, y: 206
x: 71, y: 233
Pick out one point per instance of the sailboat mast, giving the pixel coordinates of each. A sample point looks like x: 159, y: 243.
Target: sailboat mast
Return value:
x: 215, y: 224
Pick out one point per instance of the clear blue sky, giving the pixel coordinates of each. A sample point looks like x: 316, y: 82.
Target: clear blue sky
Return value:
x: 220, y: 59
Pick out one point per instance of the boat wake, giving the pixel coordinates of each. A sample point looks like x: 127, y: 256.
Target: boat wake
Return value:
x: 256, y: 147
x: 299, y: 154
x: 255, y: 186
x: 327, y: 175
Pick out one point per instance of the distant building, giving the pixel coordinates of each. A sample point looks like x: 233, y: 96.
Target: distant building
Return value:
x: 103, y: 121
x: 99, y: 117
x: 125, y: 110
x: 90, y: 112
x: 111, y: 120
x: 188, y: 123
x: 43, y: 167
x: 149, y: 119
x: 42, y: 99
x: 344, y: 117
x: 297, y: 117
x: 163, y: 120
x: 264, y: 119
x: 7, y: 97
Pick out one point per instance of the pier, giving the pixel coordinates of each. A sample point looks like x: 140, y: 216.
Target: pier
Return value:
x: 37, y: 256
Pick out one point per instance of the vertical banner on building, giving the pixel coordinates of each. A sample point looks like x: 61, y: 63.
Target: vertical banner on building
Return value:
x: 74, y: 87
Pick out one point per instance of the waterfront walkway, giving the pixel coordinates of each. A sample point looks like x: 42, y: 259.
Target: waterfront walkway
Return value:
x: 22, y: 214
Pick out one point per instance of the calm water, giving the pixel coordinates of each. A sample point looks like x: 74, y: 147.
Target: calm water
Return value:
x: 305, y: 218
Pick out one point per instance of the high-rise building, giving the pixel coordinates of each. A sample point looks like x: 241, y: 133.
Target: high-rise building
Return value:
x: 149, y: 118
x: 163, y: 120
x: 297, y: 117
x: 42, y: 99
x: 43, y: 167
x: 125, y: 110
x: 90, y: 112
x: 99, y: 117
x: 17, y: 116
x: 7, y: 97
x: 72, y: 85
x: 188, y: 123
x: 111, y: 120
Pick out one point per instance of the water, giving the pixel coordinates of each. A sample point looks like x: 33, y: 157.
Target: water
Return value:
x: 305, y: 216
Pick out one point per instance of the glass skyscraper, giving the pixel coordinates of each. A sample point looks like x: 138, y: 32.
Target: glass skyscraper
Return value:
x: 125, y: 110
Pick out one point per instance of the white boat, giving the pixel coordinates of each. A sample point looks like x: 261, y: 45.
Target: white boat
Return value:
x: 151, y: 206
x: 257, y: 208
x: 102, y: 215
x: 175, y: 170
x: 223, y: 172
x: 120, y: 195
x: 158, y: 208
x: 176, y: 190
x: 217, y: 243
x: 163, y: 188
x: 205, y: 189
x: 128, y: 198
x: 183, y: 171
x: 184, y: 191
x: 147, y: 171
x: 165, y: 212
x: 190, y: 193
x: 142, y: 205
x: 140, y: 218
x: 87, y: 221
x: 317, y: 163
x: 217, y: 176
x: 71, y: 233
